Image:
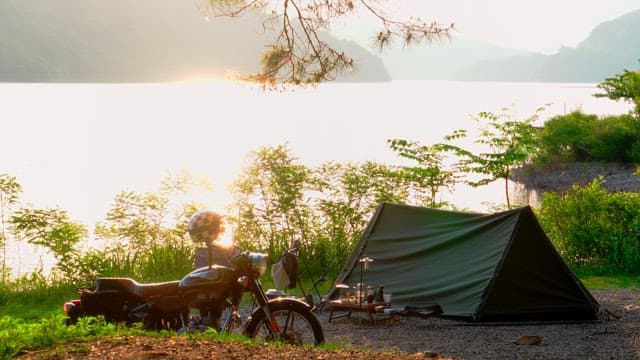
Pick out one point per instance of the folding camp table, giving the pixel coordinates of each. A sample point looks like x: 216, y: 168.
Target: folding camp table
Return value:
x: 350, y: 306
x: 376, y: 308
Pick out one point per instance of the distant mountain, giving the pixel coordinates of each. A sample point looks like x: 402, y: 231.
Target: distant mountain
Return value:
x: 168, y: 40
x: 135, y: 41
x: 443, y: 59
x: 611, y: 47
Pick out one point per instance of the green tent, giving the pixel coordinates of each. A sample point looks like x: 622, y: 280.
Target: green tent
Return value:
x: 480, y: 267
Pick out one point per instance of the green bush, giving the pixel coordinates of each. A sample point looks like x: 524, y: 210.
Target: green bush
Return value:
x: 616, y: 139
x: 594, y: 230
x: 581, y: 137
x: 567, y: 137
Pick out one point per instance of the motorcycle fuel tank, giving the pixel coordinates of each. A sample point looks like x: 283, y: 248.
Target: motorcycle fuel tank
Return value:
x: 208, y: 276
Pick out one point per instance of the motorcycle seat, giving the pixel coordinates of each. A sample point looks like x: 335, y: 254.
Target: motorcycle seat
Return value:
x: 146, y: 291
x: 131, y: 286
x: 126, y: 285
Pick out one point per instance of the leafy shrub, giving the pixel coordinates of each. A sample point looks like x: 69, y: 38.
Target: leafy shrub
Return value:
x: 616, y: 139
x: 593, y: 229
x: 567, y: 137
x: 581, y: 137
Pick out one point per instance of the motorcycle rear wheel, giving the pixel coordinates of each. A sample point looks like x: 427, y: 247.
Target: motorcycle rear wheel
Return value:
x: 300, y: 326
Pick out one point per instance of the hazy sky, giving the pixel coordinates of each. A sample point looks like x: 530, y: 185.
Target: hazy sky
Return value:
x: 542, y: 25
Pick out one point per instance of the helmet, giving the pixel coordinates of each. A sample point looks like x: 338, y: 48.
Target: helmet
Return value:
x: 205, y: 226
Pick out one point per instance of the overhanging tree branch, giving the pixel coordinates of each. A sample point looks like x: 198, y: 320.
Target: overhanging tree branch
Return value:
x: 298, y: 54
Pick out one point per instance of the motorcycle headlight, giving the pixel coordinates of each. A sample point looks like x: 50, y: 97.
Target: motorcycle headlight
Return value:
x: 259, y: 262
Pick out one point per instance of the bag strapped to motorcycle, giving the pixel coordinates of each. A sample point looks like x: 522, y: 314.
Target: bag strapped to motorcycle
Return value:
x: 285, y: 271
x: 285, y: 275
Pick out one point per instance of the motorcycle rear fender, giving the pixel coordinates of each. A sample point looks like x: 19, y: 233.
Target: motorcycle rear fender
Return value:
x: 111, y: 304
x: 71, y: 306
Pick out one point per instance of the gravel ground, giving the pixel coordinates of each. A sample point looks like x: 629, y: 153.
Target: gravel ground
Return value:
x: 408, y: 338
x: 607, y: 339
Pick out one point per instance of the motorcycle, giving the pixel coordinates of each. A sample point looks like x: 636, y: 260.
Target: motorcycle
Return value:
x: 208, y: 297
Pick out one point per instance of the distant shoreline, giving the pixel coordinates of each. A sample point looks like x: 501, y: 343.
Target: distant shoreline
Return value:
x: 618, y: 177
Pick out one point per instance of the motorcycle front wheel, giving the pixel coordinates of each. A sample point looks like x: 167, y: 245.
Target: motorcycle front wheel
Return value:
x: 296, y: 322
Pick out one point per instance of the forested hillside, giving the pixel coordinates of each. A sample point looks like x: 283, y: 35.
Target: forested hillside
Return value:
x: 134, y: 41
x: 162, y: 40
x: 611, y: 46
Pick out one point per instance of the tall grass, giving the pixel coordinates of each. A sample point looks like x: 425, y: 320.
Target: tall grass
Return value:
x: 167, y: 263
x: 32, y: 296
x: 158, y: 263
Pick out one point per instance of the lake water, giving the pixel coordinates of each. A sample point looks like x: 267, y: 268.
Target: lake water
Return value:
x: 77, y: 145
